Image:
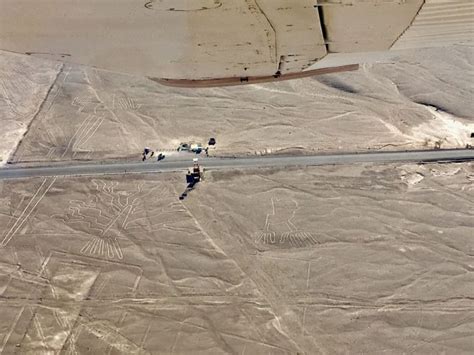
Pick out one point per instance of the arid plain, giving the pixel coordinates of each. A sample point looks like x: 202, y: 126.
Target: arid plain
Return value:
x: 85, y: 113
x: 326, y: 260
x: 360, y: 259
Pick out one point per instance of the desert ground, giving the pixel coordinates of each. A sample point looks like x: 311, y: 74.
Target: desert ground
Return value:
x: 342, y: 259
x: 360, y: 258
x: 24, y: 84
x: 421, y: 99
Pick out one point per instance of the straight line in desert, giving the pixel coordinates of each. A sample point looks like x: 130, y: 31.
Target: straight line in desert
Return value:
x: 25, y: 214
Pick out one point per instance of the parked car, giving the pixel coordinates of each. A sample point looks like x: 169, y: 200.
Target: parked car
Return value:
x: 183, y: 147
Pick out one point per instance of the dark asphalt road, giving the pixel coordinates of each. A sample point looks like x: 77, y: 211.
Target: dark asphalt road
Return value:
x: 169, y: 165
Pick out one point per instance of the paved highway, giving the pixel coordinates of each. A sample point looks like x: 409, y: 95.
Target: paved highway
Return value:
x: 173, y: 164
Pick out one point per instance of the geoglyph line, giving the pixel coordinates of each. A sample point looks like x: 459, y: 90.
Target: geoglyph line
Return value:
x: 12, y: 328
x: 89, y: 133
x: 84, y: 132
x: 99, y: 246
x: 30, y: 207
x: 279, y: 228
x: 78, y: 132
x: 104, y: 243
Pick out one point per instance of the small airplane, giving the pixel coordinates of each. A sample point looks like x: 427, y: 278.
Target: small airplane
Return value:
x: 203, y: 43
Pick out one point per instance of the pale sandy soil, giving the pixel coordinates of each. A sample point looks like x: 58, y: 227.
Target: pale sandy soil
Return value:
x: 346, y: 259
x: 24, y: 84
x: 93, y: 114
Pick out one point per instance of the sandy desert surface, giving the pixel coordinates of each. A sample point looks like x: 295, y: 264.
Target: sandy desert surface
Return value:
x: 422, y: 98
x: 24, y: 84
x: 329, y: 260
x: 347, y: 259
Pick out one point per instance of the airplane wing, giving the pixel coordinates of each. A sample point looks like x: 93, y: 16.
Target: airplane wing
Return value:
x: 227, y: 41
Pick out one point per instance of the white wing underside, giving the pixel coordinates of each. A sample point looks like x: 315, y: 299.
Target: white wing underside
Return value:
x: 214, y: 39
